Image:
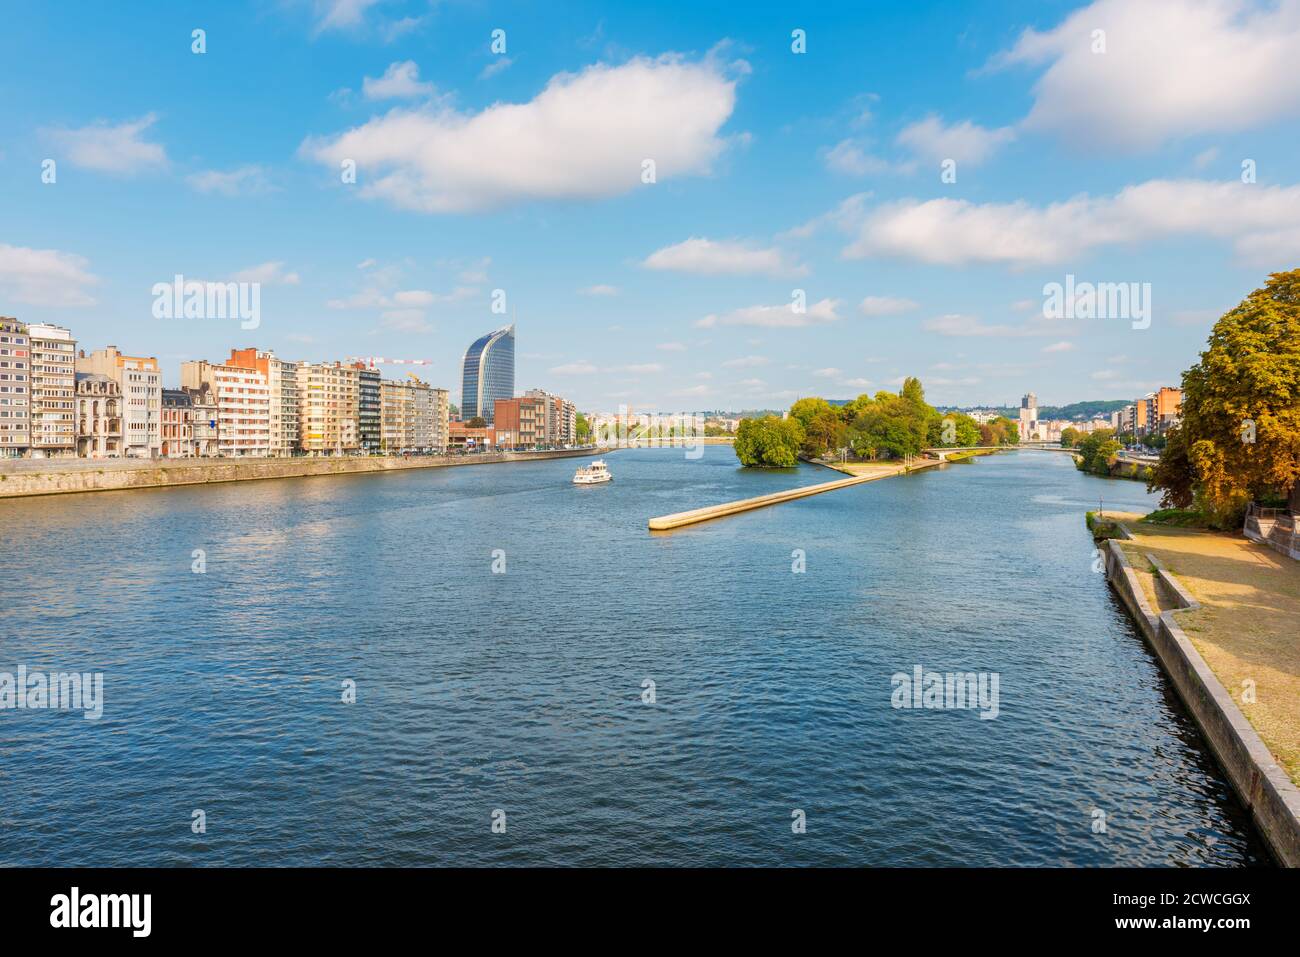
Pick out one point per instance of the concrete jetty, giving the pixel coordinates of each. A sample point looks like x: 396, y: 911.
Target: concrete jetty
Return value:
x: 709, y: 512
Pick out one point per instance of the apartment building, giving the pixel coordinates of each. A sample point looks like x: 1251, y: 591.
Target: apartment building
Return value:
x: 243, y: 401
x: 99, y: 416
x: 178, y: 440
x: 15, y: 388
x: 413, y: 417
x: 282, y: 386
x: 368, y: 409
x: 328, y: 407
x: 53, y: 391
x: 140, y: 382
x: 535, y: 418
x: 203, y: 402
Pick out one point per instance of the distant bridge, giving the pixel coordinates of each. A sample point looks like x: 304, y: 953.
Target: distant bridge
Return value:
x: 944, y: 451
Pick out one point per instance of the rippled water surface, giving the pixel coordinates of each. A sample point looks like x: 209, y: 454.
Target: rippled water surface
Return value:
x: 522, y: 691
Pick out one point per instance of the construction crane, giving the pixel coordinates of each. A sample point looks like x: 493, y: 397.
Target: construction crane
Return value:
x: 372, y: 361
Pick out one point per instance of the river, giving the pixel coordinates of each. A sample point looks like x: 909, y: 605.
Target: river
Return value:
x: 520, y: 690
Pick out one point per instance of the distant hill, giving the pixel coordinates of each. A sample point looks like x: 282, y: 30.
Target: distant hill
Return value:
x: 1082, y: 411
x: 1077, y: 411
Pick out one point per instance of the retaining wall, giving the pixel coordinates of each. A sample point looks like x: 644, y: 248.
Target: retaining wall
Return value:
x: 1262, y: 784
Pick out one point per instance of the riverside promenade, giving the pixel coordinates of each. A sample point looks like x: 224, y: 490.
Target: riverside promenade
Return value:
x: 24, y: 477
x: 1222, y: 614
x: 858, y: 474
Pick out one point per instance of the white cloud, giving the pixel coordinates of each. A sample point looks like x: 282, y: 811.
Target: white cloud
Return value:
x: 599, y: 290
x: 341, y: 14
x: 672, y: 346
x: 268, y: 274
x: 1259, y: 220
x: 110, y: 149
x: 857, y: 383
x: 45, y: 277
x: 644, y: 368
x: 584, y: 136
x: 1061, y: 346
x: 828, y: 373
x: 708, y: 257
x: 746, y: 362
x: 848, y: 157
x: 496, y: 66
x: 581, y: 367
x: 401, y: 81
x: 961, y: 325
x: 886, y: 306
x: 242, y: 181
x: 966, y: 142
x: 376, y: 299
x: 1171, y: 68
x: 776, y: 317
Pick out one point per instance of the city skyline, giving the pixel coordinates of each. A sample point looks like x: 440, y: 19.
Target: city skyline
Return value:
x: 797, y: 157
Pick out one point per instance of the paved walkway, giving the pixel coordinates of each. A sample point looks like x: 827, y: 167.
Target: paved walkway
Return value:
x: 1248, y: 626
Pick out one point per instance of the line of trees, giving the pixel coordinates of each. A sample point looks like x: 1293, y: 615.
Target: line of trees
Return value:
x: 1238, y: 440
x: 886, y: 425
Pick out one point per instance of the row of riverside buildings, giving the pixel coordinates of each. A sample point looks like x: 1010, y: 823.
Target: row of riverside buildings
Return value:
x: 1153, y: 414
x: 56, y: 401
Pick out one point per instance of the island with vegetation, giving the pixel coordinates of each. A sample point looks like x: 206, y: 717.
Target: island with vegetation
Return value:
x: 887, y: 425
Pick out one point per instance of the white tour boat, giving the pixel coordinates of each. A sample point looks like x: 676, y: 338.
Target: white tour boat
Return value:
x: 591, y: 474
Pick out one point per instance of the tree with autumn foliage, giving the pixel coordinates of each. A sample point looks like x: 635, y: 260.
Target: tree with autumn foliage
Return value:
x: 1239, y: 438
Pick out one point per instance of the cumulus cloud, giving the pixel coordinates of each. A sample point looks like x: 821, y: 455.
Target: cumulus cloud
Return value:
x: 708, y: 257
x: 966, y: 142
x: 1171, y: 68
x: 242, y: 181
x: 268, y: 274
x: 783, y: 316
x: 341, y: 14
x: 852, y: 159
x: 45, y: 277
x: 108, y: 148
x: 886, y: 306
x: 1258, y: 220
x: 961, y: 325
x: 581, y: 367
x: 401, y: 81
x: 746, y: 362
x: 585, y: 136
x: 598, y: 290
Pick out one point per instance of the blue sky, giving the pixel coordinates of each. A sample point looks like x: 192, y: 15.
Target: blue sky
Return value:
x: 775, y: 171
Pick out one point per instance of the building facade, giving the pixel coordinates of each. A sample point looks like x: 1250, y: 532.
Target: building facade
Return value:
x: 243, y: 401
x: 534, y: 419
x: 53, y: 391
x: 178, y: 425
x: 15, y: 388
x: 328, y: 408
x: 203, y: 403
x: 368, y: 409
x: 488, y: 374
x: 141, y: 383
x: 99, y: 416
x: 282, y: 390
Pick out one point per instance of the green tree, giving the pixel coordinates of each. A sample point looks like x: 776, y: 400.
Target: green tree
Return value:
x: 582, y: 427
x: 1069, y: 437
x: 768, y: 442
x: 1097, y: 452
x: 1240, y: 431
x: 477, y: 422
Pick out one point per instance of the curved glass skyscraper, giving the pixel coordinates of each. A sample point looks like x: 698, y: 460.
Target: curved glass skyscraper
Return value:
x: 489, y: 374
